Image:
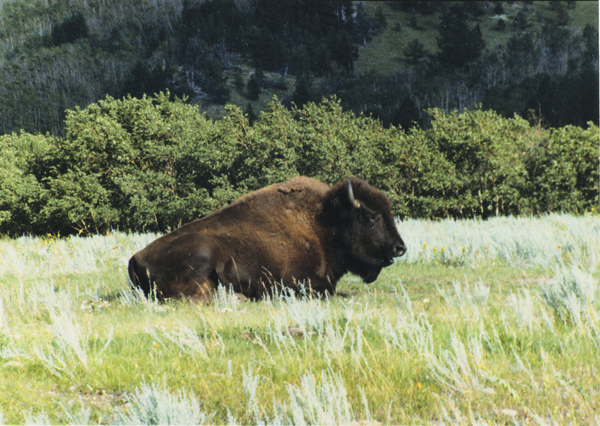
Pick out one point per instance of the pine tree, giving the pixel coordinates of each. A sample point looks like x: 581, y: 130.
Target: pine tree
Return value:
x: 302, y: 92
x: 70, y: 30
x: 414, y: 52
x: 252, y: 117
x: 458, y: 43
x: 254, y: 87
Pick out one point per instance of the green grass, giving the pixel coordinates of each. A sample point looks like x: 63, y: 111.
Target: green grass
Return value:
x: 506, y: 331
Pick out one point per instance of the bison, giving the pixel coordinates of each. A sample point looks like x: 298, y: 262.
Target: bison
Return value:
x: 300, y: 232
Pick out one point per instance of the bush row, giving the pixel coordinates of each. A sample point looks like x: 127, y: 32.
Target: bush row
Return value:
x: 152, y: 164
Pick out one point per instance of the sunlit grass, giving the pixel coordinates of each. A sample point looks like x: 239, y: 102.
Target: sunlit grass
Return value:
x: 508, y: 334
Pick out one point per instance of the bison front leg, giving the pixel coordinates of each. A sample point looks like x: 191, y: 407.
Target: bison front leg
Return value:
x: 202, y: 292
x: 197, y: 284
x: 190, y: 275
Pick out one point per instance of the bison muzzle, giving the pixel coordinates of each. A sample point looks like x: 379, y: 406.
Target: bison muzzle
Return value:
x: 300, y: 232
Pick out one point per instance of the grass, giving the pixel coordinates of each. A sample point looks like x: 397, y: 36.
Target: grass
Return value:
x: 492, y: 321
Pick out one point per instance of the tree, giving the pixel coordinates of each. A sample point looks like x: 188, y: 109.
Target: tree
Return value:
x: 414, y: 52
x: 343, y: 51
x: 255, y: 83
x: 561, y: 17
x: 458, y: 43
x: 302, y: 92
x: 145, y: 80
x: 520, y: 53
x: 252, y: 116
x: 70, y: 30
x: 519, y: 21
x: 380, y: 22
x: 407, y: 114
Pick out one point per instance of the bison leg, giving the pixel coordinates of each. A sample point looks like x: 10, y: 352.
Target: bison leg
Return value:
x: 169, y: 276
x: 202, y: 292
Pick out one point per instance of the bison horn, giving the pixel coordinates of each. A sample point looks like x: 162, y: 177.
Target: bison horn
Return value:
x: 351, y: 195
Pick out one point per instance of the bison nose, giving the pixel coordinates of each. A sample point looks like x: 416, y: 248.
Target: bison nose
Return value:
x: 399, y: 250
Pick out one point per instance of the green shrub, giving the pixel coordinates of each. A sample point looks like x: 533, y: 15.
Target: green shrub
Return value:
x: 152, y: 164
x: 485, y: 154
x: 126, y: 164
x: 415, y: 176
x: 563, y: 169
x: 21, y: 191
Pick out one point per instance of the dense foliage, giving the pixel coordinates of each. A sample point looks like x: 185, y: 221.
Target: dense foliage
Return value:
x: 509, y: 56
x: 151, y: 164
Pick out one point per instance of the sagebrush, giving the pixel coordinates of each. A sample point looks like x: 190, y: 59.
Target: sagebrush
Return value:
x: 482, y: 322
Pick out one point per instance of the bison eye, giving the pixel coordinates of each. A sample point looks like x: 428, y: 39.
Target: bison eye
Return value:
x: 370, y: 219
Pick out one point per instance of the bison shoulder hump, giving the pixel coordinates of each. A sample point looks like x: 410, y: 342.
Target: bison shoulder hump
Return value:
x: 302, y: 183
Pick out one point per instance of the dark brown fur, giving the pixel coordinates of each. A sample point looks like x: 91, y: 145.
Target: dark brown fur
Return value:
x: 299, y: 231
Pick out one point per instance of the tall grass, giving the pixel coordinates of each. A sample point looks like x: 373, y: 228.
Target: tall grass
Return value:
x: 503, y: 240
x: 508, y: 334
x: 312, y: 402
x: 53, y: 255
x: 62, y: 322
x: 154, y: 405
x: 572, y: 295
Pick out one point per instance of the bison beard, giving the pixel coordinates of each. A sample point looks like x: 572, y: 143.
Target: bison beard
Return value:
x: 287, y: 234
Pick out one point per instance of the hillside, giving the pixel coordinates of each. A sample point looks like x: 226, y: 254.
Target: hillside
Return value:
x: 385, y: 53
x: 379, y: 58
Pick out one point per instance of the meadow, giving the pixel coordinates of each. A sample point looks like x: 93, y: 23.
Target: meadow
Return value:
x: 481, y: 322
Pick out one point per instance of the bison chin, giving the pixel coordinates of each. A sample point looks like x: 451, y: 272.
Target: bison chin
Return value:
x: 371, y: 276
x: 368, y: 273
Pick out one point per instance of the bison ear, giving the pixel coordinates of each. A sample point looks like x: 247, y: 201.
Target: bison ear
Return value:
x: 351, y: 198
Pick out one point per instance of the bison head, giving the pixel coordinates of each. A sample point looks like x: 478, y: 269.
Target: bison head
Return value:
x: 364, y: 228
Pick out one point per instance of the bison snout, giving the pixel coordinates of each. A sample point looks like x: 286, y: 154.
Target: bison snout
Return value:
x: 399, y: 250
